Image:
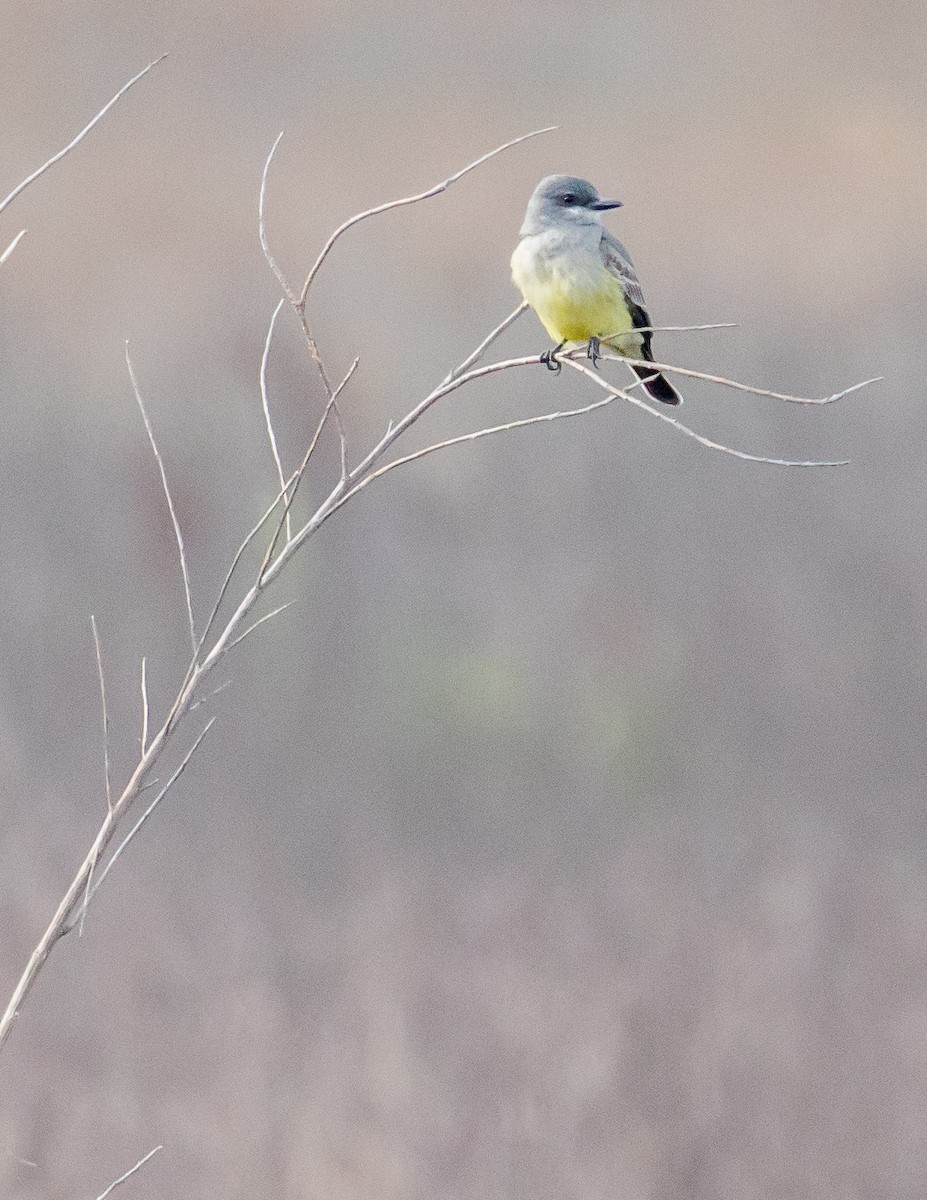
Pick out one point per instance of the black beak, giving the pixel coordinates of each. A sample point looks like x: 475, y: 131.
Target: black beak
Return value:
x: 602, y: 205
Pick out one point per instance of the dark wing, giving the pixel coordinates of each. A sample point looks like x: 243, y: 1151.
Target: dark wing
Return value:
x: 618, y: 261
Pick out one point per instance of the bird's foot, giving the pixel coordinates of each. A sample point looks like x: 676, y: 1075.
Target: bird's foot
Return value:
x: 550, y: 360
x: 593, y: 352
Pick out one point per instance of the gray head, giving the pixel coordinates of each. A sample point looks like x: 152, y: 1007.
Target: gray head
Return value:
x: 564, y: 201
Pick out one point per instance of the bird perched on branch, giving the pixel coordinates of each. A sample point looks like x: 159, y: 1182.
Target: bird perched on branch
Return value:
x: 580, y: 280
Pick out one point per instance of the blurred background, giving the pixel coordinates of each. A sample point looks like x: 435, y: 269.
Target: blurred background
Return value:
x: 566, y: 838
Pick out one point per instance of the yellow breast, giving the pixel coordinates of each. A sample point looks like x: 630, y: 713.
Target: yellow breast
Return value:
x: 574, y: 297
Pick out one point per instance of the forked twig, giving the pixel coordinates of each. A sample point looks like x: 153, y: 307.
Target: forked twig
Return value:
x: 260, y: 621
x: 732, y: 383
x: 615, y: 393
x: 301, y: 471
x: 239, y: 553
x: 92, y: 891
x: 426, y: 195
x: 475, y: 435
x: 484, y: 345
x: 210, y: 695
x: 700, y: 438
x: 510, y: 320
x: 298, y: 305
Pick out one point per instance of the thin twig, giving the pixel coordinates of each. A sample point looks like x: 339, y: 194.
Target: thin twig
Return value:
x: 426, y: 195
x: 672, y: 329
x: 522, y: 423
x: 489, y: 431
x: 122, y: 1178
x: 700, y: 438
x: 732, y: 383
x: 486, y: 343
x: 170, y: 504
x: 332, y: 401
x: 12, y: 246
x: 106, y: 769
x: 265, y: 403
x: 83, y: 886
x: 262, y: 227
x: 251, y: 628
x: 210, y: 695
x: 281, y: 495
x: 21, y: 187
x: 91, y: 892
x: 298, y: 305
x: 513, y: 316
x: 144, y: 707
x: 106, y: 765
x: 395, y: 431
x: 80, y: 927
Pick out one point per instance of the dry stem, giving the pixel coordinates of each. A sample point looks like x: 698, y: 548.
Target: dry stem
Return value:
x: 36, y: 174
x: 128, y: 1174
x: 284, y: 545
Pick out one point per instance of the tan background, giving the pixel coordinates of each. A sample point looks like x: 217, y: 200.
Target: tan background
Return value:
x: 567, y: 839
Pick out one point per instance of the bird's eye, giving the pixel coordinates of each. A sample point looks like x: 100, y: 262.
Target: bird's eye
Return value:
x: 569, y: 198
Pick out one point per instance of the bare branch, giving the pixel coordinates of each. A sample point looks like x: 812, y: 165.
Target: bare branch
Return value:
x: 251, y: 628
x: 12, y: 246
x: 92, y: 891
x: 240, y: 623
x: 265, y: 403
x: 331, y: 409
x: 343, y: 228
x: 210, y: 695
x: 426, y: 195
x: 21, y: 187
x: 523, y: 423
x: 170, y: 504
x: 513, y: 317
x: 298, y: 306
x: 704, y: 441
x: 262, y: 227
x: 331, y: 405
x: 80, y: 928
x: 732, y: 383
x: 106, y: 770
x: 395, y: 431
x: 106, y: 766
x: 489, y: 431
x: 485, y: 343
x: 144, y: 708
x: 675, y: 329
x: 122, y: 1178
x: 281, y: 495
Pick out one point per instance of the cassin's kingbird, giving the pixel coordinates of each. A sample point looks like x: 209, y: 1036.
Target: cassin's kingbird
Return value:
x: 580, y: 280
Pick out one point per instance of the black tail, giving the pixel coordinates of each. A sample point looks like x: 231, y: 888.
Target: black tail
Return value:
x: 657, y: 385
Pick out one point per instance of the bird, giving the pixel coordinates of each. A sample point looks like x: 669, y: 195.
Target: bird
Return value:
x: 580, y: 280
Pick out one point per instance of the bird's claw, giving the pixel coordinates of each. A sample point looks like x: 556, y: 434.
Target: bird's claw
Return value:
x: 550, y: 360
x: 593, y: 351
